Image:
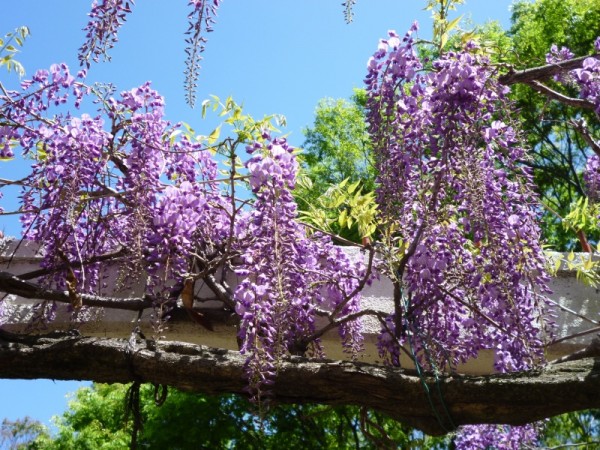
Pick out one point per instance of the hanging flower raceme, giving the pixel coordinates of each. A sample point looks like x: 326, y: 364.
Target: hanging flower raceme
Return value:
x: 470, y: 271
x: 471, y: 267
x: 94, y: 191
x: 591, y: 176
x: 62, y: 194
x: 288, y: 277
x: 106, y: 17
x: 499, y: 437
x: 200, y: 21
x: 189, y: 218
x: 587, y: 79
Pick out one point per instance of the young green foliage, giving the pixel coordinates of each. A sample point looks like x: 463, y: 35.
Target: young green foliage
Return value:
x: 9, y: 47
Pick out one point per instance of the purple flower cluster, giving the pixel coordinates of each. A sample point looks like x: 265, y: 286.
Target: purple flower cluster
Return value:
x: 289, y: 277
x: 556, y: 55
x: 461, y: 214
x: 67, y: 152
x: 588, y: 80
x: 8, y: 135
x: 499, y: 437
x: 472, y: 268
x: 179, y: 221
x: 106, y: 17
x: 94, y: 190
x: 591, y: 177
x: 126, y: 183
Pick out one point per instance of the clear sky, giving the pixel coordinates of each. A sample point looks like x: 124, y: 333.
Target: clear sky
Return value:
x: 274, y: 56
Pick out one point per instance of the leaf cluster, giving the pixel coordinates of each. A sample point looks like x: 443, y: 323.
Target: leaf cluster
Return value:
x: 95, y: 420
x: 243, y: 126
x: 558, y: 152
x: 9, y: 47
x: 442, y: 26
x: 344, y: 209
x: 337, y: 150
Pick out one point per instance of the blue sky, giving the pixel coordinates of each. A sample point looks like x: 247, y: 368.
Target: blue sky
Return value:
x: 274, y: 56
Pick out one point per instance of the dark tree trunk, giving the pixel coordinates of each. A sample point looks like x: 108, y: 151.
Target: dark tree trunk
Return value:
x: 509, y: 398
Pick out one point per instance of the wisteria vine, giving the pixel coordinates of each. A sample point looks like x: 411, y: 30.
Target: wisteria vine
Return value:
x: 471, y: 269
x: 289, y: 278
x: 587, y: 79
x: 128, y: 185
x: 106, y: 18
x: 467, y: 264
x: 201, y: 20
x: 459, y: 217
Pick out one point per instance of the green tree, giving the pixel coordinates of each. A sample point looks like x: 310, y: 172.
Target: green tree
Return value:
x: 23, y: 434
x: 337, y: 179
x: 559, y: 151
x: 337, y: 145
x: 575, y: 428
x: 97, y: 419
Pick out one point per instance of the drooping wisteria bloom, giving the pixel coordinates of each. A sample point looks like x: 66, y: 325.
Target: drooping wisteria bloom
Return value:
x: 497, y: 437
x: 471, y: 274
x: 464, y: 212
x: 106, y: 17
x: 591, y: 177
x: 127, y: 183
x: 200, y: 22
x: 289, y: 277
x: 588, y: 81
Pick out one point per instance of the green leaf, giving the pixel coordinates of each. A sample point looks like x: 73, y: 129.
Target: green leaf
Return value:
x: 557, y: 264
x: 205, y: 105
x: 24, y: 31
x: 453, y: 24
x: 343, y: 218
x: 339, y: 200
x: 443, y: 40
x: 212, y: 137
x: 174, y: 135
x: 353, y: 187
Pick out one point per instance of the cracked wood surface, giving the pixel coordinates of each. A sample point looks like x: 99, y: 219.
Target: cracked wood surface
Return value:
x: 501, y: 398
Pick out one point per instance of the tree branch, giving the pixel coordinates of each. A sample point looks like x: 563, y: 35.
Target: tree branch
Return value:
x: 581, y: 127
x: 543, y: 72
x: 12, y: 284
x: 554, y: 95
x: 501, y: 398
